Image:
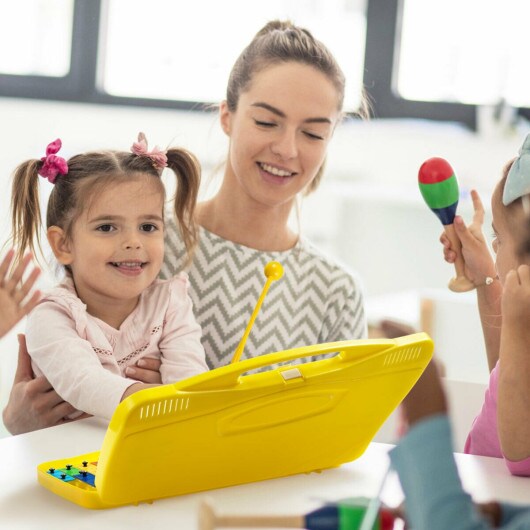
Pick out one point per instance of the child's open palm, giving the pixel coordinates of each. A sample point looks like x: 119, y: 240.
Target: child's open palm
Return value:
x: 14, y: 290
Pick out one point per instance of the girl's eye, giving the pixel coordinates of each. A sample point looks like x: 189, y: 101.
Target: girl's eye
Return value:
x: 148, y: 227
x: 105, y: 228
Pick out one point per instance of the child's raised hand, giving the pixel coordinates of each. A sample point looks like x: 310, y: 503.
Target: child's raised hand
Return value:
x: 478, y: 261
x: 14, y: 290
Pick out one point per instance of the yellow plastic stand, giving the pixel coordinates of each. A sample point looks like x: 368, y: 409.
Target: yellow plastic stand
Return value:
x: 230, y: 426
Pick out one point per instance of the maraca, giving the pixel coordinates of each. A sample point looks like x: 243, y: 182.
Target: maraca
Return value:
x: 439, y: 187
x: 343, y: 515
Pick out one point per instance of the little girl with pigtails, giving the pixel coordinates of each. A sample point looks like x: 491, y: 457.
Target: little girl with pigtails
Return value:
x: 105, y: 226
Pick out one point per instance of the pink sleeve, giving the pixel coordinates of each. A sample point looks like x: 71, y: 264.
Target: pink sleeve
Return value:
x: 521, y: 468
x: 69, y: 362
x: 180, y: 346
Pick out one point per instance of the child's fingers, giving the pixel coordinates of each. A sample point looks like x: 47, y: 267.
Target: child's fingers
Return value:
x: 27, y: 285
x: 4, y: 266
x: 16, y: 277
x: 445, y: 241
x: 31, y: 303
x: 478, y: 208
x: 449, y: 254
x: 463, y: 232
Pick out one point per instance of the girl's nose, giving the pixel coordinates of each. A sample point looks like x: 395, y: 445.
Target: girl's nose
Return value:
x: 285, y: 145
x: 131, y: 242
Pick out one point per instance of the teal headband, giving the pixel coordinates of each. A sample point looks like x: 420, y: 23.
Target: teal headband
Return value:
x: 518, y: 179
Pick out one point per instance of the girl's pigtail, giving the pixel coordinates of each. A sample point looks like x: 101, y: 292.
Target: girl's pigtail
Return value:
x: 26, y: 218
x: 188, y: 173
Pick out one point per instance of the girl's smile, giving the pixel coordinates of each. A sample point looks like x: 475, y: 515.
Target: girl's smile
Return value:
x: 129, y: 268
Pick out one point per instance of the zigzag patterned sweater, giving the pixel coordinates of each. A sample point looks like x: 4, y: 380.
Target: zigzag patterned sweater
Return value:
x: 316, y: 300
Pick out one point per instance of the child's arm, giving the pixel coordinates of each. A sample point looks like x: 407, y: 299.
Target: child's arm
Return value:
x: 425, y: 452
x: 513, y: 412
x: 14, y: 303
x: 33, y: 403
x: 70, y: 363
x: 479, y: 265
x: 135, y: 387
x: 180, y: 346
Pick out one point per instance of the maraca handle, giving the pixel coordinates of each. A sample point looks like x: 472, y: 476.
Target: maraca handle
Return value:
x: 460, y: 283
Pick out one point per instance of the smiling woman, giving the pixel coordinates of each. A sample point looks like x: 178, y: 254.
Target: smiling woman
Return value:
x: 284, y: 98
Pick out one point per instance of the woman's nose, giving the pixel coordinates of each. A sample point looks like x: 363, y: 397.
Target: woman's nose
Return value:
x: 285, y: 145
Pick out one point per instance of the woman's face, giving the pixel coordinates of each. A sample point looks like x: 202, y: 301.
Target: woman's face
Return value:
x: 279, y: 132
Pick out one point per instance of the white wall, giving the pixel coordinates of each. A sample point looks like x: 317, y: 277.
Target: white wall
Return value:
x: 370, y: 213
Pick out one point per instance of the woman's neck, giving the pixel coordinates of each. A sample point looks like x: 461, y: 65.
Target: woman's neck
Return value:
x: 252, y: 225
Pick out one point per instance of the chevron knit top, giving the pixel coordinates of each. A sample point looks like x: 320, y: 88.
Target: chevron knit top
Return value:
x: 315, y: 301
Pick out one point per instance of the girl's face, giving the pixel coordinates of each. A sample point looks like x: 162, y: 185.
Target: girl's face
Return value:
x: 279, y: 132
x: 117, y: 244
x: 506, y: 225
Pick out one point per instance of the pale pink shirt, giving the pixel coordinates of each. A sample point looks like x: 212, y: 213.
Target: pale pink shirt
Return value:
x: 85, y: 359
x: 483, y: 438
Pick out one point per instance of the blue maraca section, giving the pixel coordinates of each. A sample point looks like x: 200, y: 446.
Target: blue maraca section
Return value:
x: 447, y: 214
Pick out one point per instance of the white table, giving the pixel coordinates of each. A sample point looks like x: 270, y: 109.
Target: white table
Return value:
x: 24, y: 504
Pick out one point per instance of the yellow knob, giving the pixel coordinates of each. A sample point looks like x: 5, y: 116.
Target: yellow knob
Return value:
x: 274, y: 270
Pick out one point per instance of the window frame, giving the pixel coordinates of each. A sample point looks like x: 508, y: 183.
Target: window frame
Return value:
x: 383, y: 23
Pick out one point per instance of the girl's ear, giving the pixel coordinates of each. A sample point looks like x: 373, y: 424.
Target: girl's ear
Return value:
x: 60, y: 245
x: 225, y: 117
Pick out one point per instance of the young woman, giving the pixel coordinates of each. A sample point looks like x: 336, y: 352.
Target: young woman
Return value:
x: 284, y: 100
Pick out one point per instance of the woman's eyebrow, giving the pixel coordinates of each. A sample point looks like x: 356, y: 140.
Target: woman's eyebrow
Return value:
x: 281, y: 114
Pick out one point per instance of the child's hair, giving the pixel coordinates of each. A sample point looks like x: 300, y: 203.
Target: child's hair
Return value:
x: 281, y: 42
x: 86, y: 175
x: 513, y: 210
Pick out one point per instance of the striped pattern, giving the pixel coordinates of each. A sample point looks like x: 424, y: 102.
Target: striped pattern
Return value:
x: 316, y: 301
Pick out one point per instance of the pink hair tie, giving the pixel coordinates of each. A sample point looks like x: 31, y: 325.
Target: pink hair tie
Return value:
x: 53, y: 165
x: 157, y: 156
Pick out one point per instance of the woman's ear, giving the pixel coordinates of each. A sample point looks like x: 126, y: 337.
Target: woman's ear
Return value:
x: 225, y: 117
x: 60, y: 245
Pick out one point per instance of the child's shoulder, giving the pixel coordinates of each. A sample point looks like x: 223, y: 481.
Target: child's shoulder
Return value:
x: 176, y: 286
x: 64, y: 295
x: 58, y: 307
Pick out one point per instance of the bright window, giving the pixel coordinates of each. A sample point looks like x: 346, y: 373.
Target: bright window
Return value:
x: 164, y: 49
x: 467, y: 51
x: 35, y: 37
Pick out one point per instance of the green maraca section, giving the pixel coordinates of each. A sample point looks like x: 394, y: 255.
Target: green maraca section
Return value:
x: 351, y: 514
x: 441, y: 194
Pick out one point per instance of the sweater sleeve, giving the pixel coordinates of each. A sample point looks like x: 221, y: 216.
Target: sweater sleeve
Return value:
x: 346, y: 316
x: 434, y: 497
x: 180, y: 346
x: 69, y: 362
